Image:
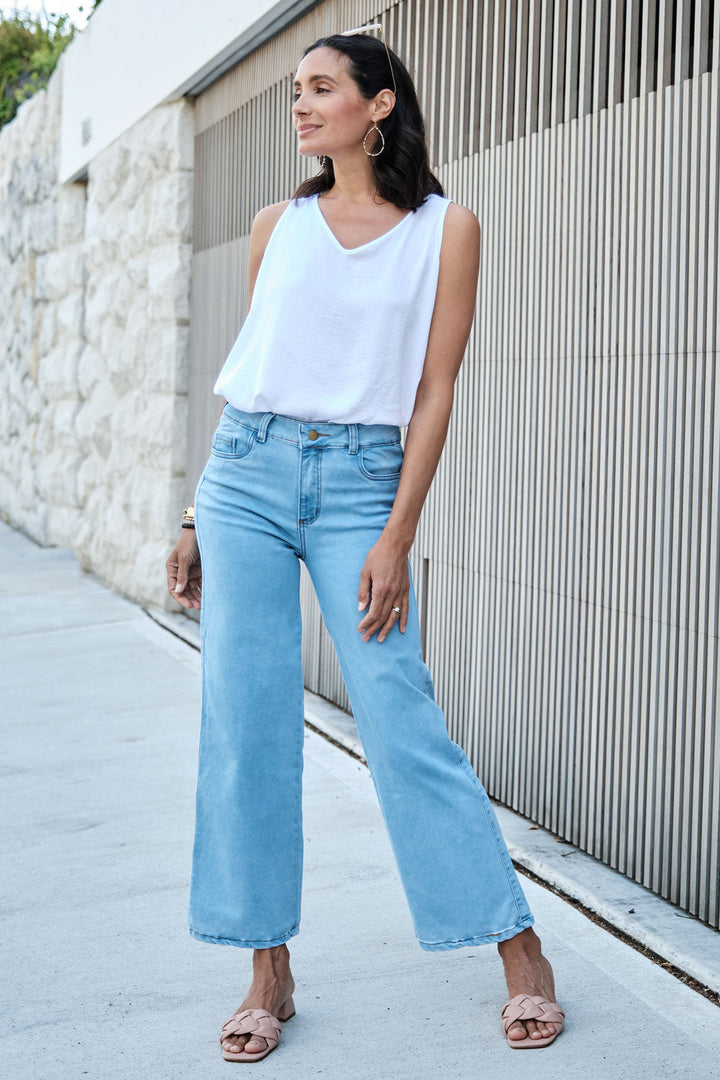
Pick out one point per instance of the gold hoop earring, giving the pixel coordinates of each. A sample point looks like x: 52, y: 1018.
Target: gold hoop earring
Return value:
x: 382, y: 139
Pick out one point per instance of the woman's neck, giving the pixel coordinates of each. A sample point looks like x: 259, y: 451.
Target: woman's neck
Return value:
x: 354, y: 180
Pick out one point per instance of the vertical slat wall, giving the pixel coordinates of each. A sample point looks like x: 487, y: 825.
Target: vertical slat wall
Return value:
x: 568, y: 560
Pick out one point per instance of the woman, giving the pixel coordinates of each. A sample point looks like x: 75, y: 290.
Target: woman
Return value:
x: 363, y: 293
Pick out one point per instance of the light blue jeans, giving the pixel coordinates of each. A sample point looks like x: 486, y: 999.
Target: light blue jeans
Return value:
x: 274, y: 492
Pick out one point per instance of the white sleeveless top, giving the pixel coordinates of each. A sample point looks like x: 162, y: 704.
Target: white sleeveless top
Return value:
x: 333, y: 333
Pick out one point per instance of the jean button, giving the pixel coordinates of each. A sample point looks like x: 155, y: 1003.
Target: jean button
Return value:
x: 312, y: 435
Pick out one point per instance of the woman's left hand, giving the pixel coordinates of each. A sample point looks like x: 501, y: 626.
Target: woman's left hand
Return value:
x: 384, y: 586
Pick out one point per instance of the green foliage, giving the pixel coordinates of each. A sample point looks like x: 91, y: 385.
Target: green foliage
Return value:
x: 30, y: 46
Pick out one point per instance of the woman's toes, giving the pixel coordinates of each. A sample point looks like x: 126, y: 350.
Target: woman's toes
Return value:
x: 233, y: 1046
x: 540, y: 1031
x: 530, y: 1029
x: 256, y: 1045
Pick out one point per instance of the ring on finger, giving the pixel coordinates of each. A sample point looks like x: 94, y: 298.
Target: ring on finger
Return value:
x: 397, y: 609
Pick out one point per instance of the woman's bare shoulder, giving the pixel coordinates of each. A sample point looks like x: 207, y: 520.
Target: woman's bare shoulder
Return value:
x: 461, y: 222
x: 267, y: 218
x: 461, y: 237
x: 262, y: 229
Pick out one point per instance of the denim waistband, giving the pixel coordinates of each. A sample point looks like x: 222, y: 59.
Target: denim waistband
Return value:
x: 313, y: 433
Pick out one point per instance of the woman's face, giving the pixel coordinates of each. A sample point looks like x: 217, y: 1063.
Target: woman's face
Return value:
x: 329, y: 112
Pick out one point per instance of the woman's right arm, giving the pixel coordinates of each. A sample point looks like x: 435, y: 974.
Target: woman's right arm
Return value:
x: 184, y: 570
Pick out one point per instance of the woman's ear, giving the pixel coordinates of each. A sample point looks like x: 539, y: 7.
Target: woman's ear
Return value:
x: 383, y: 104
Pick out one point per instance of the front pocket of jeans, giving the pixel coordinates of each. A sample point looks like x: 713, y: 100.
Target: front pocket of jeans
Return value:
x: 381, y: 462
x: 231, y: 444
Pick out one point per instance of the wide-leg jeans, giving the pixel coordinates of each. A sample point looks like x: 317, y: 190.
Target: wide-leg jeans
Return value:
x: 277, y: 490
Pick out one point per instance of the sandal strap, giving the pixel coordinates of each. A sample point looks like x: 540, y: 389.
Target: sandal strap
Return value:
x: 526, y: 1007
x: 253, y: 1022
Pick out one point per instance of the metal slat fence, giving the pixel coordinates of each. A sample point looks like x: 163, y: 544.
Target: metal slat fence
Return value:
x: 568, y: 560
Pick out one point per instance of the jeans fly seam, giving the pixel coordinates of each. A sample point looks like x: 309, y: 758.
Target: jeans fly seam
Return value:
x: 300, y: 529
x: 318, y: 489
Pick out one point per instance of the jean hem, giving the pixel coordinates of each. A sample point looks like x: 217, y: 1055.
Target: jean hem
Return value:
x: 479, y: 939
x: 242, y: 944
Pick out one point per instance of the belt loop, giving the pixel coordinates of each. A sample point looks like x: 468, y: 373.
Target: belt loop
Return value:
x: 353, y: 433
x: 264, y: 424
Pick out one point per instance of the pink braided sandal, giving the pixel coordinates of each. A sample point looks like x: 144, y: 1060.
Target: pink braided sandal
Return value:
x: 256, y: 1022
x: 523, y: 1007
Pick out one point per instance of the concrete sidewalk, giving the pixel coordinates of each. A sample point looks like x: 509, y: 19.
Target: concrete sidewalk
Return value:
x: 101, y: 979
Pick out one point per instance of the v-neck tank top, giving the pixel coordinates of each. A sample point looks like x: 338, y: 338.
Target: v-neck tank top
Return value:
x: 333, y: 333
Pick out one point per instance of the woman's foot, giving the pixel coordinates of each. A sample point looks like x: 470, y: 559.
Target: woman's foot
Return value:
x: 272, y: 985
x: 527, y: 972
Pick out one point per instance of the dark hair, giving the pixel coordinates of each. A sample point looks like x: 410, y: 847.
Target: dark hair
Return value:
x: 402, y: 171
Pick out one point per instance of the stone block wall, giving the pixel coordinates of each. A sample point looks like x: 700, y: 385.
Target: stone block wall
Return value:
x: 41, y: 288
x: 94, y: 340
